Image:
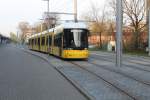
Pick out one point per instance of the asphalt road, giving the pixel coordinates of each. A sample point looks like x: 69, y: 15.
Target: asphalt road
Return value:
x: 26, y: 77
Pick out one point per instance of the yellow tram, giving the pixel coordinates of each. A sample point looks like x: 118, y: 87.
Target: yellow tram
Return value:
x: 68, y: 41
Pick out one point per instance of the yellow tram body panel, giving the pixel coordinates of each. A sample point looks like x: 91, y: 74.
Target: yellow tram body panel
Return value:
x: 35, y: 47
x: 75, y: 54
x: 56, y: 51
x: 42, y: 48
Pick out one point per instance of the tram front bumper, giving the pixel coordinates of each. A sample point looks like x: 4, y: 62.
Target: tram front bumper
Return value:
x: 75, y: 54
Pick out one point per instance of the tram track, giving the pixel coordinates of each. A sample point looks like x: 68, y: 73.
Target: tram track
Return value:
x: 113, y: 82
x: 126, y: 93
x: 105, y: 80
x: 145, y: 83
x: 121, y: 73
x: 129, y: 59
x: 126, y: 65
x: 139, y: 63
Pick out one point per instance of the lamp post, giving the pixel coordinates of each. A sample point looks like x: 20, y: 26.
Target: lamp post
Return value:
x: 148, y: 23
x: 149, y: 32
x: 119, y: 33
x: 75, y: 10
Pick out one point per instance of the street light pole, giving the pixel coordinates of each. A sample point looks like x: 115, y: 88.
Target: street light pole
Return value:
x: 75, y: 11
x: 119, y: 20
x: 149, y: 32
x: 148, y: 23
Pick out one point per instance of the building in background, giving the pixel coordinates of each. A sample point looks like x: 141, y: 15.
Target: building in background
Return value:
x: 108, y: 41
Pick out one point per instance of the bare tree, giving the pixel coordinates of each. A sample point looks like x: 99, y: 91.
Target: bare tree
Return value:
x: 111, y: 28
x: 23, y: 27
x: 13, y: 37
x: 134, y: 16
x: 98, y: 26
x: 40, y: 26
x: 135, y: 11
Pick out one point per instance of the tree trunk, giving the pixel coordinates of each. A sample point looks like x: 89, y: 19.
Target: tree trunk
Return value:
x: 124, y: 45
x: 100, y: 40
x: 136, y: 44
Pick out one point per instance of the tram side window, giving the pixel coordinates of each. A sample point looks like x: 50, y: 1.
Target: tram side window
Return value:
x: 57, y: 40
x: 47, y: 41
x: 50, y: 39
x: 32, y: 41
x: 84, y: 39
x: 35, y: 41
x: 43, y: 41
x: 38, y: 41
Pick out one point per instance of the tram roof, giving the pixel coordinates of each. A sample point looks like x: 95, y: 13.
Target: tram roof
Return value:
x: 67, y: 25
x: 44, y: 32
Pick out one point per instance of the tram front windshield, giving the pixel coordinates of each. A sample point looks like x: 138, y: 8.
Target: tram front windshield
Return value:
x: 75, y: 38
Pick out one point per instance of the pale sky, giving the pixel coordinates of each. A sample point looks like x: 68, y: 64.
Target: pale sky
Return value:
x: 14, y: 11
